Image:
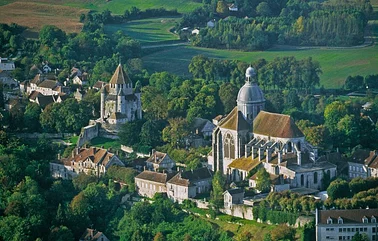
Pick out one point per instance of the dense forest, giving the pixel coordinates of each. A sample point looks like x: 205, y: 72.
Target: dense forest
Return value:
x: 293, y: 22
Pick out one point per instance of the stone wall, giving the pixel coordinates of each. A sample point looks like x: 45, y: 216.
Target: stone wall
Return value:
x: 240, y: 211
x: 87, y: 134
x: 37, y: 135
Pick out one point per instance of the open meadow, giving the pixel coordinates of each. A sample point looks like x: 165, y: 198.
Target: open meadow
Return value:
x: 147, y: 31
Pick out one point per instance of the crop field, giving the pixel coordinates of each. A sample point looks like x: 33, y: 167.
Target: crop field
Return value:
x: 336, y: 64
x: 35, y: 15
x: 147, y: 31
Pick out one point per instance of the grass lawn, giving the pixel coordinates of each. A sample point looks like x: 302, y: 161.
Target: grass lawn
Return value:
x: 105, y: 143
x: 147, y: 31
x: 73, y: 139
x: 336, y: 64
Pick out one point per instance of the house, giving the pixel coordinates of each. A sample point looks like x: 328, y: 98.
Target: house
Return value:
x: 148, y: 183
x: 188, y: 184
x: 233, y: 8
x: 159, y: 161
x: 211, y: 23
x: 91, y: 161
x: 6, y: 64
x: 93, y: 235
x: 79, y: 80
x: 46, y: 68
x: 344, y: 224
x: 249, y: 137
x: 233, y: 196
x: 7, y: 80
x: 75, y: 72
x: 98, y: 85
x: 278, y: 183
x: 79, y: 94
x: 364, y: 164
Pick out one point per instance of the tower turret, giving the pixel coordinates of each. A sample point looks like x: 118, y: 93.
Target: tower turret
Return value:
x: 102, y: 107
x: 121, y: 105
x: 250, y: 97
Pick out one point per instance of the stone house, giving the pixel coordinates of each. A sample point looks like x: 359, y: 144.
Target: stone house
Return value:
x: 7, y: 80
x: 6, y: 64
x: 363, y: 164
x: 91, y: 161
x: 93, y: 235
x: 159, y: 161
x: 344, y: 224
x: 278, y: 183
x: 148, y: 183
x: 233, y: 196
x: 188, y: 184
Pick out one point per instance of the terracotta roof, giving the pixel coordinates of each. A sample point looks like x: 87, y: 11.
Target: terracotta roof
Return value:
x: 91, y: 235
x: 155, y: 176
x: 188, y: 178
x: 372, y: 160
x: 119, y: 76
x: 235, y: 121
x: 96, y: 155
x: 99, y: 84
x: 348, y: 216
x: 276, y: 125
x: 245, y: 163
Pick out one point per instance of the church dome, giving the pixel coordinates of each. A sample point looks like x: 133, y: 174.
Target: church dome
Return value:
x: 250, y: 93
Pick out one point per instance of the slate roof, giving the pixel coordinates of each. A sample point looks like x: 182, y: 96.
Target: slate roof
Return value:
x: 99, y: 84
x: 157, y: 157
x: 348, y: 216
x: 188, y: 178
x: 359, y: 156
x: 119, y: 76
x: 44, y: 101
x: 155, y: 176
x: 235, y: 121
x: 244, y: 163
x: 234, y: 191
x: 276, y: 125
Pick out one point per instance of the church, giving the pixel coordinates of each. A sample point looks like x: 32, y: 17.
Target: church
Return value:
x: 249, y: 137
x: 119, y: 102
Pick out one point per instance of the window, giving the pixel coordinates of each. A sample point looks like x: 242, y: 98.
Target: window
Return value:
x: 364, y: 220
x: 340, y: 221
x: 329, y: 220
x: 229, y: 146
x: 340, y: 230
x: 302, y: 180
x: 373, y: 219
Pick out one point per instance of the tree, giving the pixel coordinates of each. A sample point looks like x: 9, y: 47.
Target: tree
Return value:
x: 222, y: 7
x: 81, y: 181
x: 61, y: 233
x: 218, y: 186
x: 50, y: 34
x: 227, y: 94
x: 175, y: 132
x: 354, y: 83
x: 333, y: 114
x: 150, y: 134
x: 263, y: 180
x: 1, y: 96
x: 283, y: 232
x: 31, y: 117
x: 129, y: 133
x: 159, y: 237
x: 154, y: 103
x: 338, y: 189
x: 360, y: 237
x: 263, y: 9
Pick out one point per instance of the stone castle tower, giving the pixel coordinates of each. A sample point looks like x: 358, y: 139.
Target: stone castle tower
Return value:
x: 119, y: 103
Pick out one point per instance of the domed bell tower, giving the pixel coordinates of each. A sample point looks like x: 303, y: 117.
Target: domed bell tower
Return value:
x: 250, y: 98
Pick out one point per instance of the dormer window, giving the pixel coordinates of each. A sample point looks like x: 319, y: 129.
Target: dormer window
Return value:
x: 364, y: 219
x: 329, y: 220
x: 340, y: 220
x: 373, y: 219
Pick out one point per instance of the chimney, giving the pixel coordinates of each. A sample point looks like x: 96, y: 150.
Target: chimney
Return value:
x: 279, y: 157
x: 299, y: 158
x: 144, y: 168
x: 58, y: 156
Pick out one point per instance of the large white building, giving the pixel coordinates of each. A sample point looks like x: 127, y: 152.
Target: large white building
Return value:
x: 119, y: 103
x: 249, y: 137
x: 344, y: 224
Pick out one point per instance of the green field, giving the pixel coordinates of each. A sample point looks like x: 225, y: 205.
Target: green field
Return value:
x: 147, y: 31
x: 105, y: 143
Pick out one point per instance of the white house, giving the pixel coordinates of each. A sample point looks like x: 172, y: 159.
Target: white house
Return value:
x: 148, y: 183
x: 159, y: 160
x: 233, y: 196
x: 344, y: 224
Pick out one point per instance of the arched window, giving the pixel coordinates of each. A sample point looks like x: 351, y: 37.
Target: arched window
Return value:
x: 315, y: 177
x: 289, y: 147
x: 302, y: 180
x: 340, y: 220
x: 229, y: 146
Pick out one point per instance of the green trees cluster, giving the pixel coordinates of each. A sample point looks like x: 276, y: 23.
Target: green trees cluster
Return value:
x: 358, y: 82
x: 162, y: 219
